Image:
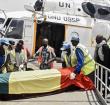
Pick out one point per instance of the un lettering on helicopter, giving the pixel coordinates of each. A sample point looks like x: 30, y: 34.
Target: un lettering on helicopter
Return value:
x: 57, y: 20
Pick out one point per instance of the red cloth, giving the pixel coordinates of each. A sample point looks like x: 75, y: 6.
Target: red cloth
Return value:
x: 81, y: 81
x: 39, y: 59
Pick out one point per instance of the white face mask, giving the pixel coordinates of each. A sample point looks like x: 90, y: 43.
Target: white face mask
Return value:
x: 5, y: 47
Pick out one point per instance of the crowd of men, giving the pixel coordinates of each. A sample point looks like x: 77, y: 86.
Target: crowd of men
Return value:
x: 74, y: 54
x: 12, y: 57
x: 79, y: 58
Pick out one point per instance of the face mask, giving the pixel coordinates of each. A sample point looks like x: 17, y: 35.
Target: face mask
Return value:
x: 45, y: 45
x: 5, y: 47
x: 74, y: 43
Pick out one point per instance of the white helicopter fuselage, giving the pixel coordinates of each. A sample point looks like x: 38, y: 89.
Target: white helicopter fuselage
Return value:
x: 62, y: 17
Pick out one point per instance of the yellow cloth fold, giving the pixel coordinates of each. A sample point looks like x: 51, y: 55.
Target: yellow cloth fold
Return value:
x: 38, y: 81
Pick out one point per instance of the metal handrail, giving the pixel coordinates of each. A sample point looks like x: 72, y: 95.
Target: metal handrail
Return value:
x: 102, y: 75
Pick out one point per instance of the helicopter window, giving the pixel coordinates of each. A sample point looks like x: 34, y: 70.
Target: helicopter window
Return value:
x: 103, y: 11
x: 96, y: 11
x: 38, y: 5
x: 15, y: 30
x: 89, y: 8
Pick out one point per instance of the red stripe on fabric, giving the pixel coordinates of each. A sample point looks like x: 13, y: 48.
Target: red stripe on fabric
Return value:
x: 80, y: 80
x: 65, y: 73
x: 83, y: 82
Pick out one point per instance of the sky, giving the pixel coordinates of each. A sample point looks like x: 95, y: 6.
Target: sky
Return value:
x: 14, y: 5
x: 18, y: 5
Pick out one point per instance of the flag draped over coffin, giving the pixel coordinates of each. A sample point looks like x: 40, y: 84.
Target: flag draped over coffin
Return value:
x: 41, y: 81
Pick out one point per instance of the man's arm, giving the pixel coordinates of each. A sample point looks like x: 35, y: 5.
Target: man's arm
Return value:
x: 38, y: 51
x: 80, y: 63
x: 53, y: 53
x: 80, y: 60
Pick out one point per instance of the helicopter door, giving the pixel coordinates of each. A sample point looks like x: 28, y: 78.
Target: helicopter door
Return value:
x: 53, y: 32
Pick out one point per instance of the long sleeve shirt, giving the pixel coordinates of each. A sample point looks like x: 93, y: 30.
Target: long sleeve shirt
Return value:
x: 80, y: 60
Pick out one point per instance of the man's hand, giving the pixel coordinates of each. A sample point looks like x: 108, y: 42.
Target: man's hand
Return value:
x: 72, y: 76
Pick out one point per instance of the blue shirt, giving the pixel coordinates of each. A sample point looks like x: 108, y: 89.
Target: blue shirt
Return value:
x: 45, y: 55
x: 80, y: 60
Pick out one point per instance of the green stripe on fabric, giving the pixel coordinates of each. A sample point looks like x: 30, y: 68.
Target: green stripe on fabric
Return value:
x: 4, y: 83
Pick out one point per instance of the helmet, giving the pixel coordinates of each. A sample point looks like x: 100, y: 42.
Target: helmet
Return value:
x: 74, y: 36
x: 65, y: 46
x: 4, y: 42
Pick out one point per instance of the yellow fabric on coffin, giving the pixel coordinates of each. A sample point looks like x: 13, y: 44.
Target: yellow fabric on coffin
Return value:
x: 38, y: 81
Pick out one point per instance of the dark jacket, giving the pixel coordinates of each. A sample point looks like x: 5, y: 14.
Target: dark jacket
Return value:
x: 102, y: 54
